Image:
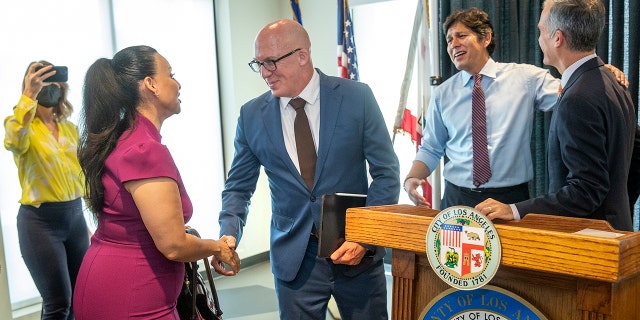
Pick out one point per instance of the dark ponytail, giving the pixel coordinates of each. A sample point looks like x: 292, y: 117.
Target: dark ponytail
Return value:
x: 110, y: 98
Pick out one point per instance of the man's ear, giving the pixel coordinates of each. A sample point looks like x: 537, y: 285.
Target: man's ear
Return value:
x: 303, y: 56
x: 558, y: 38
x: 486, y: 41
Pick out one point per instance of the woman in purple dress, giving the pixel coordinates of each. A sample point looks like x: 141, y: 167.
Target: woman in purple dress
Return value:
x: 134, y: 267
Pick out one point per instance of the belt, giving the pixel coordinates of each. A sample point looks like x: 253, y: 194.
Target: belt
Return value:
x: 490, y: 190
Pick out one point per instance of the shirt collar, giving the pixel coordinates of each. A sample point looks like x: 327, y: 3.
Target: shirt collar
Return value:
x: 573, y: 67
x: 490, y: 70
x: 310, y: 93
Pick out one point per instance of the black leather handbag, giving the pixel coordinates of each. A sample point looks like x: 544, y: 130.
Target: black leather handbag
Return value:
x: 197, y: 301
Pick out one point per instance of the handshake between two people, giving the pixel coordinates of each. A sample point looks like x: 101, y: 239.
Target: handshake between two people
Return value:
x: 226, y: 262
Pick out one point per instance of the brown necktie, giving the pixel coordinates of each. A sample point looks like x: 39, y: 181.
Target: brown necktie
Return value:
x: 481, y: 168
x: 304, y: 142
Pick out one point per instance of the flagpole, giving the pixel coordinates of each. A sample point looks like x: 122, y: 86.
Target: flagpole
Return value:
x: 408, y: 73
x: 425, y: 68
x: 435, y: 179
x: 340, y: 37
x: 295, y: 10
x: 434, y: 29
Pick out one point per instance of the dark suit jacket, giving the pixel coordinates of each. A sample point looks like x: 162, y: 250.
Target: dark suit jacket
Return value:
x: 634, y: 172
x: 352, y: 134
x: 589, y: 150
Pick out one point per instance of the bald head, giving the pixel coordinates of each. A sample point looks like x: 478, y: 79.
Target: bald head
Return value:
x: 286, y: 44
x: 283, y: 34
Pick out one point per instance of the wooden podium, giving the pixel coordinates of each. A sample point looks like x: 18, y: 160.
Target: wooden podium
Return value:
x: 564, y: 275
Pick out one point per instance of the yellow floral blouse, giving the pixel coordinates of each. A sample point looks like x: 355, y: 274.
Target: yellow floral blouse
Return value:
x: 48, y: 169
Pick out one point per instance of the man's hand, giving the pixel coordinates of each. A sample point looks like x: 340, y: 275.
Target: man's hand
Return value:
x: 411, y: 187
x: 349, y: 253
x: 229, y: 255
x: 619, y: 75
x: 494, y: 209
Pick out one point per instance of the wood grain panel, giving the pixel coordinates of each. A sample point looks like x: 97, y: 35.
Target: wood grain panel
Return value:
x: 538, y: 242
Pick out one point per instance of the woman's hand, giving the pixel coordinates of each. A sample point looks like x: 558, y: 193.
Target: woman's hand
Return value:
x: 226, y: 256
x: 34, y: 80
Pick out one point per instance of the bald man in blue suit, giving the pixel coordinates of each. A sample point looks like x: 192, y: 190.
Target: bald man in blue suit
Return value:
x: 350, y: 137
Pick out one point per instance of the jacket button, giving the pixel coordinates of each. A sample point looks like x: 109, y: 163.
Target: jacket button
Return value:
x: 313, y: 198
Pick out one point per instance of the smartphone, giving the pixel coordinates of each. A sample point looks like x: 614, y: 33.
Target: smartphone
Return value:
x: 62, y: 74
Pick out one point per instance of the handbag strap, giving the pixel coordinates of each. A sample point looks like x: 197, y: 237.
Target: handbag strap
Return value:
x: 213, y: 288
x: 207, y: 267
x: 192, y: 287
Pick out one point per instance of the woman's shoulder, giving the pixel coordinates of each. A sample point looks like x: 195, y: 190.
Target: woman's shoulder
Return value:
x: 141, y: 143
x: 140, y: 157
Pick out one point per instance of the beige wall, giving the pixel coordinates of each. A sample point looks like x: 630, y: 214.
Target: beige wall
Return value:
x: 237, y: 23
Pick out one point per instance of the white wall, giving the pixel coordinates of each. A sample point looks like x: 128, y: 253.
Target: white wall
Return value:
x: 5, y: 303
x: 237, y: 23
x: 21, y: 44
x: 182, y: 31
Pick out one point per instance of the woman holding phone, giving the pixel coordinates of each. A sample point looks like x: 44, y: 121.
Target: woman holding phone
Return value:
x: 52, y: 231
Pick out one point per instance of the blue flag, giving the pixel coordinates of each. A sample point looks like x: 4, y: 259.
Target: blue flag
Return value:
x: 297, y: 14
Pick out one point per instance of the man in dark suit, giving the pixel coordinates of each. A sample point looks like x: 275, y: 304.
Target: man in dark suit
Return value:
x: 633, y: 184
x: 592, y: 129
x: 349, y: 136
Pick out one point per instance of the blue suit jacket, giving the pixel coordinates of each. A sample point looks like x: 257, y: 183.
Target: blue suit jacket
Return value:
x: 590, y: 146
x: 352, y: 134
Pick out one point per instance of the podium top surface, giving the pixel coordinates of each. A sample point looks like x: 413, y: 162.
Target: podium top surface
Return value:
x: 538, y: 242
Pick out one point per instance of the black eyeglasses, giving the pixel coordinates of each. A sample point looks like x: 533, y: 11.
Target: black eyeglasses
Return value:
x: 270, y: 65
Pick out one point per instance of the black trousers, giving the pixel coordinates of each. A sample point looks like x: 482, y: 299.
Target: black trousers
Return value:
x: 460, y: 196
x: 53, y: 240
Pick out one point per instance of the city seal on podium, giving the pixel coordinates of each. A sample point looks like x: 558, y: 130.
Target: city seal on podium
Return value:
x: 463, y: 247
x: 487, y: 303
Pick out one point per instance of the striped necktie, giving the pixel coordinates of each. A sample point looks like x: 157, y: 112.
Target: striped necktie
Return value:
x: 481, y: 168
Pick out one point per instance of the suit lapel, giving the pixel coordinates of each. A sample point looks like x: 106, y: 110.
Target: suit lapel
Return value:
x: 273, y: 125
x: 330, y: 104
x: 590, y: 64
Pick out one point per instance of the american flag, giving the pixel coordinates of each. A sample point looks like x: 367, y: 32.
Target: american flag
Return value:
x: 450, y: 235
x: 347, y: 60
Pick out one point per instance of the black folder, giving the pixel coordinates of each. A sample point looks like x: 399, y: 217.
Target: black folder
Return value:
x: 332, y: 220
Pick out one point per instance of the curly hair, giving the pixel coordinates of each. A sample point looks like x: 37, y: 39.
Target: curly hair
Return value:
x: 476, y: 20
